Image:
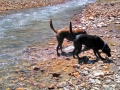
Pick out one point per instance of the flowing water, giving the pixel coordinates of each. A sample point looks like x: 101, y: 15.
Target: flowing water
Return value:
x: 20, y: 29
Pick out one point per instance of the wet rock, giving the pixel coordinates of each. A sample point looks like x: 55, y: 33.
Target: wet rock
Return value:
x: 19, y: 89
x: 91, y: 18
x: 118, y: 86
x: 113, y: 44
x: 8, y: 89
x: 118, y: 63
x: 99, y: 25
x: 76, y: 66
x: 108, y: 36
x: 67, y: 88
x: 62, y: 84
x: 117, y: 36
x: 98, y: 81
x: 113, y: 86
x: 91, y: 81
x: 102, y: 24
x: 98, y: 73
x: 108, y: 81
x: 51, y: 43
x: 42, y: 70
x: 76, y: 74
x: 111, y: 18
x: 56, y: 74
x: 69, y: 48
x: 113, y: 68
x: 41, y: 86
x: 52, y: 86
x: 107, y: 87
x: 85, y: 72
x: 117, y: 81
x: 117, y: 22
x: 95, y: 88
x: 83, y: 85
x: 36, y: 68
x: 67, y: 58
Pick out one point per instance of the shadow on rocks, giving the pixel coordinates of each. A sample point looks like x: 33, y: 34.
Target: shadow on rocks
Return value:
x: 85, y: 60
x: 67, y: 54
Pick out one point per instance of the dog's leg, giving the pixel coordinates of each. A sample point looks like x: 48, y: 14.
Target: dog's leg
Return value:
x: 78, y: 50
x: 97, y: 54
x: 59, y: 46
x: 57, y: 50
x: 60, y: 41
x: 74, y: 52
x: 100, y: 56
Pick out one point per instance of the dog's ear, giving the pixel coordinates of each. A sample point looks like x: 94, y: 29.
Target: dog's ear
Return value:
x: 71, y: 30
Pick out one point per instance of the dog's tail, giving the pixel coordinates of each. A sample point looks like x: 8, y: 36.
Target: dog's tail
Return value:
x: 71, y: 30
x: 51, y: 25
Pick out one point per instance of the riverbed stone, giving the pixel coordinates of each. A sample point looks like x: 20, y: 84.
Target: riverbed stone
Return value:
x: 95, y: 88
x: 20, y: 88
x: 36, y: 68
x: 98, y: 73
x: 85, y: 72
x: 62, y: 84
x: 83, y: 85
x: 76, y: 66
x: 91, y: 18
x: 98, y: 81
x: 56, y: 74
x: 108, y: 81
x: 117, y: 22
x: 118, y: 86
x: 8, y: 89
x: 91, y: 81
x: 52, y: 86
x: 101, y: 24
x: 107, y: 87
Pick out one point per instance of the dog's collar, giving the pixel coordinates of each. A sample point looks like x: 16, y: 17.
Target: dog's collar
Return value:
x: 104, y: 46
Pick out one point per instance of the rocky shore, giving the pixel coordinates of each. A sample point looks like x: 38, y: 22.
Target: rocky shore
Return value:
x: 46, y: 71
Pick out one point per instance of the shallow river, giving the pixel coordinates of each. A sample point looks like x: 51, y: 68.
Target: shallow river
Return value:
x: 20, y: 29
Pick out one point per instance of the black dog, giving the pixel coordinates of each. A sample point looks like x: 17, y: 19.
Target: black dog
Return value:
x: 90, y: 41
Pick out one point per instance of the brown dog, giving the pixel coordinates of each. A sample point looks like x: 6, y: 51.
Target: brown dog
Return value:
x: 65, y: 33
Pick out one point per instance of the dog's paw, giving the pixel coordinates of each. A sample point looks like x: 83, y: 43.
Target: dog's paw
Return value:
x: 107, y: 60
x: 58, y: 54
x: 79, y: 61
